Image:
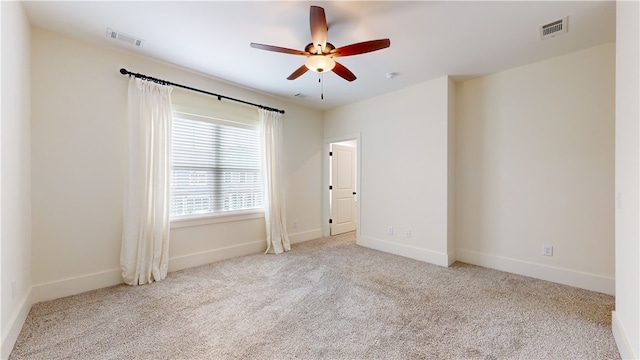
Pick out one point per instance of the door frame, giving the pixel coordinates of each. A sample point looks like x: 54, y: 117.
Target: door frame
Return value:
x: 326, y: 166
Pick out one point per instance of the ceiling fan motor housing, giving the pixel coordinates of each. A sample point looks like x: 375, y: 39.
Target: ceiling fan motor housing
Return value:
x: 311, y: 48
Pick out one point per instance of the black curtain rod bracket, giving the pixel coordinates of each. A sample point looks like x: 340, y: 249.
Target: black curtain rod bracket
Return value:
x: 124, y: 71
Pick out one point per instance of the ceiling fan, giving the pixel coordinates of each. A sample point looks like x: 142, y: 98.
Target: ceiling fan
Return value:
x: 320, y: 53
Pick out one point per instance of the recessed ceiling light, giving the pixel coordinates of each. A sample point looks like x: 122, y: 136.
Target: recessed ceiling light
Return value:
x: 391, y: 75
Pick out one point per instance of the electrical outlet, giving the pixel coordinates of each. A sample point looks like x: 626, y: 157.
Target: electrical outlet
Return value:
x: 390, y: 230
x: 547, y: 250
x: 295, y: 224
x: 407, y: 233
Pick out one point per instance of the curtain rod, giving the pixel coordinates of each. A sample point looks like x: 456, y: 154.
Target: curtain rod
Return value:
x: 124, y: 71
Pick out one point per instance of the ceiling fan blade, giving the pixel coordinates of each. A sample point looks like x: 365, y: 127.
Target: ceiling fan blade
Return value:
x: 296, y: 74
x: 278, y: 49
x: 343, y: 72
x: 318, y: 22
x: 361, y: 48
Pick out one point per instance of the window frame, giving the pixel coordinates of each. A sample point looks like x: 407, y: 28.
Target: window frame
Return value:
x: 181, y: 221
x: 215, y: 218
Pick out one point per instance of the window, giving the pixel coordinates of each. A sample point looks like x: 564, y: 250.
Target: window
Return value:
x: 215, y: 166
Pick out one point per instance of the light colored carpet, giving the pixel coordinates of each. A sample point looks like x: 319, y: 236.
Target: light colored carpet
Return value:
x: 329, y: 299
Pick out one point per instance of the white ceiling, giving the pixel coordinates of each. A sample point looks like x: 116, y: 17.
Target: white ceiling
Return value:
x: 428, y: 39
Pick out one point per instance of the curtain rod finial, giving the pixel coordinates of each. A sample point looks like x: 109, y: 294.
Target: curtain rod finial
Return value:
x: 123, y: 71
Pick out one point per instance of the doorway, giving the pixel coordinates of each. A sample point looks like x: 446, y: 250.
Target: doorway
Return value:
x: 342, y: 179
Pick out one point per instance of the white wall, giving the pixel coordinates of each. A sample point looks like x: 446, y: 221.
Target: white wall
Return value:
x: 451, y: 185
x: 535, y: 165
x: 626, y: 317
x: 532, y: 161
x: 15, y: 213
x: 404, y: 168
x: 77, y: 145
x: 78, y: 168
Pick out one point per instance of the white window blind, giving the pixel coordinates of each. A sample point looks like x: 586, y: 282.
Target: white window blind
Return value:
x: 215, y: 167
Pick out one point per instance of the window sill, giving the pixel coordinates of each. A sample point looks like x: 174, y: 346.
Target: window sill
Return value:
x: 207, y: 219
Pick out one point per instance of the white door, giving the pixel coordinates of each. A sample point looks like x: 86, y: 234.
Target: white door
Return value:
x: 343, y: 184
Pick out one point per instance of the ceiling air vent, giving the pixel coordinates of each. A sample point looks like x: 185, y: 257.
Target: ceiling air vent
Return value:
x: 116, y: 35
x: 554, y: 28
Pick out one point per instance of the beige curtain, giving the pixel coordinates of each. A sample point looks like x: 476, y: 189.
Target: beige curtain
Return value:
x: 274, y: 209
x: 144, y: 255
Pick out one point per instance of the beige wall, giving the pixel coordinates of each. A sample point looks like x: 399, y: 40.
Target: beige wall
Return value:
x: 15, y: 161
x: 535, y: 165
x: 451, y: 175
x: 521, y: 145
x: 532, y: 158
x: 79, y: 162
x: 404, y: 168
x: 626, y: 317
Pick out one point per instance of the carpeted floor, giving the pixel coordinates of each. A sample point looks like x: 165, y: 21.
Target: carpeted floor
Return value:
x: 325, y: 299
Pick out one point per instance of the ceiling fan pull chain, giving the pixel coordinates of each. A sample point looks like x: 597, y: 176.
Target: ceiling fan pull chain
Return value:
x: 320, y: 78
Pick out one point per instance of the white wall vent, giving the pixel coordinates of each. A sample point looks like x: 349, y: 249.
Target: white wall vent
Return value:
x: 554, y: 28
x: 116, y: 35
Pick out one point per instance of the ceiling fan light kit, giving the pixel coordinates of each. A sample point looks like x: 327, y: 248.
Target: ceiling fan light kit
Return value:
x: 320, y: 63
x: 320, y: 53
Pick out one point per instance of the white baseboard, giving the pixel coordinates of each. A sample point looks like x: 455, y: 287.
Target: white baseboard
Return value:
x: 79, y: 284
x: 76, y: 285
x: 563, y: 276
x: 210, y: 256
x: 621, y: 337
x: 10, y: 335
x: 412, y: 252
x: 451, y: 257
x: 305, y: 236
